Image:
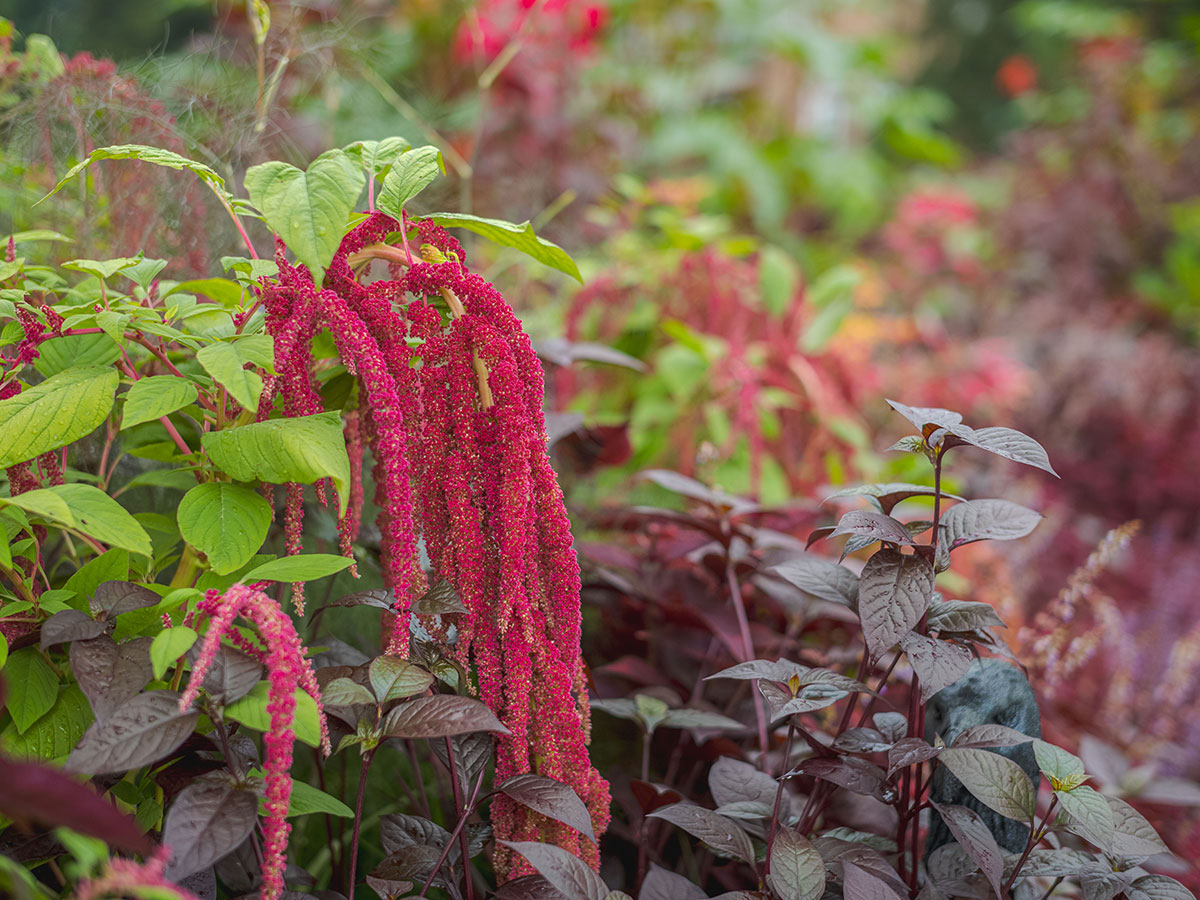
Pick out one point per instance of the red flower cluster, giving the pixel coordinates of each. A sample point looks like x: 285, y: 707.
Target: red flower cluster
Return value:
x: 288, y: 669
x: 452, y: 414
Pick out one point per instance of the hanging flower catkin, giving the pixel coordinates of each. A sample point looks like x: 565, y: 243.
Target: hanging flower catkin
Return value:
x: 450, y: 407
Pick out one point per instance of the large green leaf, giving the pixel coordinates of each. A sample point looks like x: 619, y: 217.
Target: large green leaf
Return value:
x: 168, y: 646
x: 154, y: 397
x: 251, y: 711
x: 304, y: 449
x: 224, y: 362
x: 56, y: 733
x: 377, y: 157
x: 154, y: 155
x: 50, y: 415
x: 88, y: 510
x: 226, y: 522
x: 304, y: 567
x: 73, y: 350
x: 32, y: 687
x: 519, y: 237
x: 410, y: 174
x: 308, y: 209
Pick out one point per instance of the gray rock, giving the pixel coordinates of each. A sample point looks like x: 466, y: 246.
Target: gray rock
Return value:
x: 991, y: 692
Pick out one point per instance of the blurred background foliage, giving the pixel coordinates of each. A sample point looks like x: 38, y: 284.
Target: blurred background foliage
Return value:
x: 785, y: 211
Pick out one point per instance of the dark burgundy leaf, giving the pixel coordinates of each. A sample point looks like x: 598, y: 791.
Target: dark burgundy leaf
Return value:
x: 207, y: 821
x: 887, y: 496
x: 690, y: 487
x: 550, y: 798
x: 439, y: 716
x: 892, y: 725
x: 836, y: 852
x: 115, y: 597
x: 393, y: 678
x: 894, y: 593
x: 861, y: 740
x: 1133, y: 835
x: 531, y: 887
x: 653, y: 796
x: 856, y: 775
x: 1158, y: 887
x: 820, y: 578
x: 921, y: 416
x: 874, y: 525
x: 376, y: 599
x: 819, y: 534
x: 663, y: 884
x: 859, y: 884
x: 35, y: 793
x: 717, y: 831
x: 962, y: 615
x: 974, y: 836
x: 400, y: 832
x: 69, y: 625
x: 797, y: 871
x: 811, y: 697
x: 984, y: 520
x: 567, y: 873
x: 990, y: 735
x: 110, y: 673
x: 143, y: 730
x: 441, y: 599
x: 232, y: 676
x: 471, y: 753
x: 413, y: 863
x: 202, y: 884
x: 909, y: 751
x: 938, y: 664
x: 1008, y: 443
x: 1065, y: 862
x: 731, y: 780
x: 240, y: 871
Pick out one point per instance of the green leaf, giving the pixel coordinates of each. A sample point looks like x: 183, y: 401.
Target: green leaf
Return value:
x: 377, y: 157
x: 73, y: 350
x: 226, y: 292
x: 304, y: 449
x: 251, y: 711
x: 168, y: 645
x: 226, y: 522
x: 50, y: 415
x: 519, y: 237
x: 3, y: 650
x: 156, y: 396
x: 37, y: 234
x: 306, y: 799
x: 306, y: 567
x: 145, y: 271
x: 99, y: 516
x: 410, y: 174
x: 153, y: 155
x: 778, y: 276
x: 101, y: 268
x: 308, y: 209
x: 224, y: 363
x: 1064, y: 770
x: 55, y: 734
x: 110, y: 566
x: 32, y: 687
